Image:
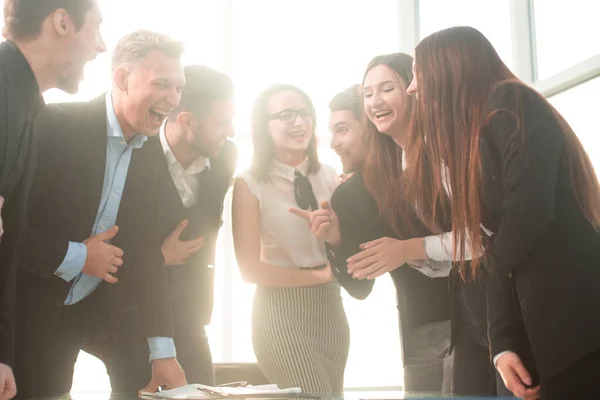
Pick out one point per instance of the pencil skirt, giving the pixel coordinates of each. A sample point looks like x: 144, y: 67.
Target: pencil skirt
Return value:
x: 301, y: 337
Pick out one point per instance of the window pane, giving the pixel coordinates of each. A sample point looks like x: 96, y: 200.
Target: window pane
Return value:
x: 579, y: 106
x: 566, y: 33
x: 492, y: 18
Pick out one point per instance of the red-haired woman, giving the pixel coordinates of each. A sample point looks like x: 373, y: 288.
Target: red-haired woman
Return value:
x: 515, y: 168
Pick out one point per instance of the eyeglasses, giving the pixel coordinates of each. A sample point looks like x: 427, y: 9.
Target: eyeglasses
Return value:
x: 289, y: 116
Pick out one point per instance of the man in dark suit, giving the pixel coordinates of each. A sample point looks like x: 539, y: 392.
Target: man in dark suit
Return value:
x: 198, y: 168
x: 48, y: 43
x: 88, y: 277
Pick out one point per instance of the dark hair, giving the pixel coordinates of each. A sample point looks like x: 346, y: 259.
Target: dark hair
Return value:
x: 384, y: 172
x: 136, y: 45
x: 23, y: 18
x: 263, y: 143
x: 349, y: 99
x: 457, y: 70
x: 203, y: 86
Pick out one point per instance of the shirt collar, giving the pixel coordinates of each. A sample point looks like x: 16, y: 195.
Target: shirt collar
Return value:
x: 113, y: 126
x: 197, y: 166
x: 287, y: 172
x: 21, y: 76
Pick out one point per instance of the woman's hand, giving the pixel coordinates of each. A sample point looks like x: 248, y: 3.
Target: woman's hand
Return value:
x: 323, y: 223
x: 383, y: 255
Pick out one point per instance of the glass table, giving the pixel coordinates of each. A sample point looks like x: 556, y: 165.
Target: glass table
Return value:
x: 349, y: 395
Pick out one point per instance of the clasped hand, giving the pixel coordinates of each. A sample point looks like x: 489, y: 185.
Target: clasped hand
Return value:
x: 377, y: 257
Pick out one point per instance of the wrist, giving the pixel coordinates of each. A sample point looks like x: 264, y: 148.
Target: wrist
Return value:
x: 414, y: 249
x: 335, y: 243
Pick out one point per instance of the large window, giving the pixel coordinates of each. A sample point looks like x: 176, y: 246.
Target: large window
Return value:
x: 492, y: 18
x: 579, y: 106
x: 566, y: 33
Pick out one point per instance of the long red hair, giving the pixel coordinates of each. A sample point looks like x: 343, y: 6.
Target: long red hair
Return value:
x: 384, y: 174
x: 457, y: 69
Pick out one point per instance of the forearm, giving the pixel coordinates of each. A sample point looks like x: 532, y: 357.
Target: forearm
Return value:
x: 152, y: 296
x: 504, y: 332
x: 269, y: 275
x: 441, y: 248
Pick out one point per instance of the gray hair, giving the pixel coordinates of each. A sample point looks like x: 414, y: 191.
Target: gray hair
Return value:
x: 135, y: 46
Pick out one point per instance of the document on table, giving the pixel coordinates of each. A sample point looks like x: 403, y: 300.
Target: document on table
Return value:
x: 203, y: 392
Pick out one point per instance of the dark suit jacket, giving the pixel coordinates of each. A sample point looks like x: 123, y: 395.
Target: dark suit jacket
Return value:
x: 542, y: 238
x: 64, y: 203
x: 192, y: 284
x: 421, y: 300
x: 20, y: 102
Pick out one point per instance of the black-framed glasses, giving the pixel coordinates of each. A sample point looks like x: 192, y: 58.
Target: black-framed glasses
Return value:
x: 288, y: 116
x: 303, y: 193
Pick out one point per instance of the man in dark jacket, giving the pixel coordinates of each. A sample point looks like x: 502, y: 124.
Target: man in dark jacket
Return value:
x: 48, y: 44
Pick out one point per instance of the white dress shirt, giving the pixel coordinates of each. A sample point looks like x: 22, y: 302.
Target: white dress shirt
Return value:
x: 286, y: 239
x: 185, y: 179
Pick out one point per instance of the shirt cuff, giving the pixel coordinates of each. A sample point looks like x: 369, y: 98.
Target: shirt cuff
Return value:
x: 161, y: 347
x: 441, y: 247
x: 73, y: 262
x: 497, y: 357
x: 432, y: 268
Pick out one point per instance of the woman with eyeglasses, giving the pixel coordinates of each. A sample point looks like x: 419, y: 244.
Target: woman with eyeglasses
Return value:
x: 299, y: 328
x: 516, y: 168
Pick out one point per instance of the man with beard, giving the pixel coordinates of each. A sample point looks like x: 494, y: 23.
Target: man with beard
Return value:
x: 198, y: 169
x: 353, y: 219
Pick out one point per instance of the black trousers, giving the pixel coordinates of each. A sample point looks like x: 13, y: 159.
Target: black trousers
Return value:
x: 581, y: 381
x: 50, y: 336
x: 473, y: 372
x: 191, y: 292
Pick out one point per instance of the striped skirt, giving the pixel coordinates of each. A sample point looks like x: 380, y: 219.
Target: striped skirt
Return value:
x: 301, y: 337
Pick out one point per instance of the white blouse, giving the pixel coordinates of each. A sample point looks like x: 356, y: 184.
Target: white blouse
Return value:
x: 286, y: 239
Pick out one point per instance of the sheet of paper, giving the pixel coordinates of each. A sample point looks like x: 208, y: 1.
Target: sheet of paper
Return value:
x: 194, y: 392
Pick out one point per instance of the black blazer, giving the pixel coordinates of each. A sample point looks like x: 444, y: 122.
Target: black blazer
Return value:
x: 421, y: 300
x: 64, y: 202
x: 542, y: 240
x: 192, y: 284
x: 20, y: 102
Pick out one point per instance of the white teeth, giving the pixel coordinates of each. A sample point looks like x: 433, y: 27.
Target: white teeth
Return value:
x: 379, y: 114
x: 163, y: 113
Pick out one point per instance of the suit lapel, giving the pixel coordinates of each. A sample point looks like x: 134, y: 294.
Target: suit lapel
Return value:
x: 96, y: 128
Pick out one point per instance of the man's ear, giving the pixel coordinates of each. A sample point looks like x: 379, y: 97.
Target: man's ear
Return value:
x: 184, y: 119
x: 61, y: 22
x: 120, y: 78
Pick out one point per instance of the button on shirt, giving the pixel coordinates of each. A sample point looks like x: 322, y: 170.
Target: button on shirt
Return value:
x: 185, y: 179
x: 118, y: 157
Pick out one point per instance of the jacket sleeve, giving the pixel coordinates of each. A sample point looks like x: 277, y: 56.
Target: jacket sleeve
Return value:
x: 359, y: 223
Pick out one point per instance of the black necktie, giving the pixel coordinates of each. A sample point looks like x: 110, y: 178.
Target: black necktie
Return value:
x: 303, y: 192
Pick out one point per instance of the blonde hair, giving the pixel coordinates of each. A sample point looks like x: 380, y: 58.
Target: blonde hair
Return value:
x: 135, y: 46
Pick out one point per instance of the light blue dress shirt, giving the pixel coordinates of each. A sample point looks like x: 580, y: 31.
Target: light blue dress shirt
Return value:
x: 118, y: 157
